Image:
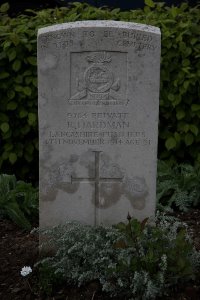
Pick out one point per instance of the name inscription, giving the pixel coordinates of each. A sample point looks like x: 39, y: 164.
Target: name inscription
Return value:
x: 101, y: 129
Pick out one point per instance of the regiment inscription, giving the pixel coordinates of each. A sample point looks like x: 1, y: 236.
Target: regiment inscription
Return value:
x: 98, y: 77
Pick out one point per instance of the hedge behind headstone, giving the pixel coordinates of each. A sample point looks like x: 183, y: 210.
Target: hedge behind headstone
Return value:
x: 179, y: 128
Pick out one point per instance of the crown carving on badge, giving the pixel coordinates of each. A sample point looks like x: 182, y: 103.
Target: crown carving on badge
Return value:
x: 99, y: 57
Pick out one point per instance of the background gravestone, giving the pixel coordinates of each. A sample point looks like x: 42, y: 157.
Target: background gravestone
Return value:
x: 98, y: 118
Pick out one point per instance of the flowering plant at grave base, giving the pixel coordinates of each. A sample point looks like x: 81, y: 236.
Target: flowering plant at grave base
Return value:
x: 26, y: 271
x: 139, y: 260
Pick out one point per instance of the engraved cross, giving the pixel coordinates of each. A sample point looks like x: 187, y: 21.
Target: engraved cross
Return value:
x: 96, y: 179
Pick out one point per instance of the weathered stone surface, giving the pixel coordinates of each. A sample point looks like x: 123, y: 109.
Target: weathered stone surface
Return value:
x: 98, y: 119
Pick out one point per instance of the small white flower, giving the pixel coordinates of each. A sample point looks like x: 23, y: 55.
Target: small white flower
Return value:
x: 25, y: 271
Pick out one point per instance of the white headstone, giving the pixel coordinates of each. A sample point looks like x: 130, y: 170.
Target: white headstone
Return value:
x: 98, y: 121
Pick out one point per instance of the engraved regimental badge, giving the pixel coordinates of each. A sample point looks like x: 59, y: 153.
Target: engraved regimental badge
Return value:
x: 98, y: 79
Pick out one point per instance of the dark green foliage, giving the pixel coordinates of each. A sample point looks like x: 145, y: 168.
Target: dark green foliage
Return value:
x: 18, y: 201
x: 178, y: 187
x: 134, y: 260
x: 180, y: 78
x: 48, y: 279
x: 179, y: 136
x: 178, y: 262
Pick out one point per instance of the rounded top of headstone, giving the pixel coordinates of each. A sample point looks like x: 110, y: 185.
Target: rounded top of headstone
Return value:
x: 99, y: 24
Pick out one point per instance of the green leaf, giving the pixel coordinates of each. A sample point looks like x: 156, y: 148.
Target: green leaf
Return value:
x: 185, y: 62
x: 4, y: 75
x: 16, y: 215
x: 194, y: 129
x: 182, y: 46
x: 23, y: 113
x: 186, y: 127
x: 4, y: 7
x: 189, y: 139
x: 34, y: 81
x: 15, y: 38
x: 7, y: 135
x: 10, y: 94
x: 186, y: 84
x: 16, y: 65
x: 11, y: 105
x: 170, y: 143
x: 171, y: 97
x: 28, y: 80
x: 180, y: 114
x: 149, y: 3
x: 12, y: 54
x: 19, y: 79
x: 27, y: 73
x: 29, y: 46
x: 195, y: 107
x: 5, y: 127
x: 174, y: 11
x: 18, y: 88
x: 5, y: 155
x: 27, y: 91
x: 3, y: 117
x: 12, y: 158
x: 8, y: 147
x: 32, y: 60
x: 6, y: 44
x: 32, y: 118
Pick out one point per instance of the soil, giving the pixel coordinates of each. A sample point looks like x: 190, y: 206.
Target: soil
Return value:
x: 19, y: 248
